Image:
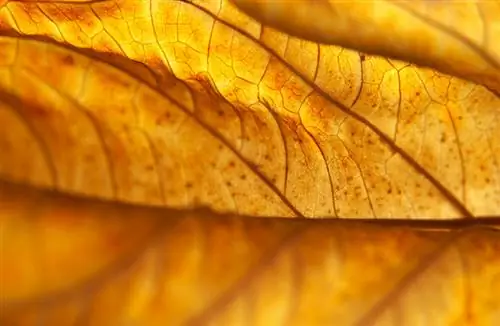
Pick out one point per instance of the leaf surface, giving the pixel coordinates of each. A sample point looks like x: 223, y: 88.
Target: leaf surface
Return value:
x: 155, y: 152
x: 198, y: 268
x: 335, y: 132
x: 456, y: 37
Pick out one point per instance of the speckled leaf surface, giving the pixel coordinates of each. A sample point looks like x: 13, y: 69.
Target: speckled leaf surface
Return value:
x: 159, y: 158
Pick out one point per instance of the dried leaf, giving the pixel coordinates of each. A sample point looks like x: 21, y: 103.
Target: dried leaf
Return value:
x: 151, y: 110
x: 344, y: 135
x: 456, y: 37
x: 153, y: 266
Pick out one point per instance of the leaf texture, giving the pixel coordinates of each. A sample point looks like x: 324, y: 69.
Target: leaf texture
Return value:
x: 456, y: 37
x: 163, y: 162
x: 196, y: 268
x: 335, y: 132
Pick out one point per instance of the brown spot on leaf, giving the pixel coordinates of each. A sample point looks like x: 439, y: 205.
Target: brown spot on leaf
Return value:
x: 68, y: 60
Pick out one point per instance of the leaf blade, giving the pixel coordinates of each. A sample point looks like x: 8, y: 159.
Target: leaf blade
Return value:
x: 196, y: 268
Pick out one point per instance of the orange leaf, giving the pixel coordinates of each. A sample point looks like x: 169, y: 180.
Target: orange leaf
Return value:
x: 198, y: 268
x: 138, y: 113
x: 304, y: 115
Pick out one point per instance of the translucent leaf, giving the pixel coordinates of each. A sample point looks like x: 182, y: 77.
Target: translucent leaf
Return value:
x: 456, y: 37
x: 153, y: 266
x: 177, y: 139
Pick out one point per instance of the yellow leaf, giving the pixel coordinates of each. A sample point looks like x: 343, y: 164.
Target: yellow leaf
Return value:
x: 137, y: 114
x: 348, y: 135
x: 198, y: 268
x: 99, y: 131
x: 456, y: 37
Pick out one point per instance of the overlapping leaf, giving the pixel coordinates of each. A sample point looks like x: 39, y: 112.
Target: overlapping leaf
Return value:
x: 457, y: 37
x: 197, y: 268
